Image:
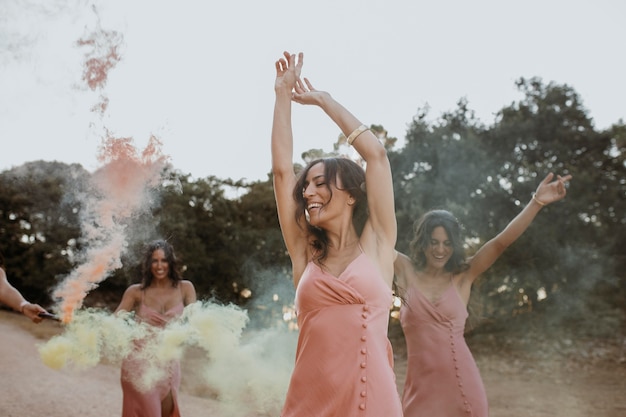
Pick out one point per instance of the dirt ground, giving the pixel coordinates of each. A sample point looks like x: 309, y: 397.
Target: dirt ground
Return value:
x: 588, y: 380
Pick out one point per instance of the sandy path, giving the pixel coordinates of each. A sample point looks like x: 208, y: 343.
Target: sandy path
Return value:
x: 31, y: 389
x: 515, y: 388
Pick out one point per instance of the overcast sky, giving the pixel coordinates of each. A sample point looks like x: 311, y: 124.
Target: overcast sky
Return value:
x: 199, y: 74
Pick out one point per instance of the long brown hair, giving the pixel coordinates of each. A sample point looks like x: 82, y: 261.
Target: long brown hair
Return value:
x: 146, y: 266
x: 423, y: 231
x: 352, y: 178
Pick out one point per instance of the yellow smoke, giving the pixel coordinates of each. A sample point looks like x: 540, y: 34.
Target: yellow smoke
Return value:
x: 238, y: 364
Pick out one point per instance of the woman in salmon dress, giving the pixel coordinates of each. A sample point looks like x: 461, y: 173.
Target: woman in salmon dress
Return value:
x: 161, y: 297
x: 442, y: 378
x: 339, y: 226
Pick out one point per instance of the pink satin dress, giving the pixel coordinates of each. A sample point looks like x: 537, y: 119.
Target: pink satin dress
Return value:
x: 442, y: 378
x: 344, y: 361
x: 138, y: 403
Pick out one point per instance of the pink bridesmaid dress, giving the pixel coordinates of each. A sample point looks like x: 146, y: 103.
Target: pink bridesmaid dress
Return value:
x: 138, y: 403
x: 442, y: 378
x: 344, y: 361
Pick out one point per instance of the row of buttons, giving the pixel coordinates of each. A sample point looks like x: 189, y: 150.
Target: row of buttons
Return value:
x: 456, y: 367
x: 363, y: 393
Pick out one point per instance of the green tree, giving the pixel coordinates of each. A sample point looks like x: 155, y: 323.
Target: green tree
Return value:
x: 39, y: 231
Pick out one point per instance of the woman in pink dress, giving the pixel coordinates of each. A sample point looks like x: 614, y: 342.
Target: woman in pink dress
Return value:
x: 435, y: 283
x: 161, y: 297
x: 339, y: 227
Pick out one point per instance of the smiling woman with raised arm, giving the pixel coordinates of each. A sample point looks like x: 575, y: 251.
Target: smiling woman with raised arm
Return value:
x: 435, y: 282
x: 339, y: 226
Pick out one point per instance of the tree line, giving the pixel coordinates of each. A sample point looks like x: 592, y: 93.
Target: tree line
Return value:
x: 568, y: 267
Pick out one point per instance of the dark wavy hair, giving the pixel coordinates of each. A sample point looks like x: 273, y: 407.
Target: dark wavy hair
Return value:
x: 423, y: 231
x: 352, y: 179
x: 146, y: 265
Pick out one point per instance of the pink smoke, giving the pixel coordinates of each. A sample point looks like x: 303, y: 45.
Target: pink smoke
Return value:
x: 121, y: 187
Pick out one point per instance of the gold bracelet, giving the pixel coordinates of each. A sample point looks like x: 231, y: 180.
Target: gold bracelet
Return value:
x: 356, y: 132
x: 537, y: 200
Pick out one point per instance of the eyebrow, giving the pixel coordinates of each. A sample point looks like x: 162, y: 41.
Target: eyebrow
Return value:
x: 316, y: 177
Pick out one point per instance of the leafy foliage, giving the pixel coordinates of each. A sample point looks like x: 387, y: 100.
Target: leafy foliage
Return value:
x: 567, y: 267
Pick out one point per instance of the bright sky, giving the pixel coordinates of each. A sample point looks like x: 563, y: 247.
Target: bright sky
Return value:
x: 200, y: 74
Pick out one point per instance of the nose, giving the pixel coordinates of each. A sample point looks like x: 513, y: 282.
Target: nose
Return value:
x: 307, y: 191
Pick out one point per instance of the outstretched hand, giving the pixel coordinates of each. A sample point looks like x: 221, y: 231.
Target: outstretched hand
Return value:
x: 288, y: 71
x: 549, y: 192
x: 305, y: 93
x: 32, y: 312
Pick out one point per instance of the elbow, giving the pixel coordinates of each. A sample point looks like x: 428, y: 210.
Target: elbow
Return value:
x: 379, y: 153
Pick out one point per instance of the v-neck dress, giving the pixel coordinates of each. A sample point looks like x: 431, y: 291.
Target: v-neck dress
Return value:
x: 344, y: 361
x: 442, y: 378
x: 137, y: 402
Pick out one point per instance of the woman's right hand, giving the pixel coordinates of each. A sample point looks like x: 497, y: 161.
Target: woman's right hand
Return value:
x: 288, y: 71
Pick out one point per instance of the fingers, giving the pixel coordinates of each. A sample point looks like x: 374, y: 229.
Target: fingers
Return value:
x: 300, y: 61
x: 308, y: 84
x: 299, y: 87
x: 547, y: 179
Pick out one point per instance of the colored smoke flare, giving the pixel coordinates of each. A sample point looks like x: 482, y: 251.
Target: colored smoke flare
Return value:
x: 122, y: 189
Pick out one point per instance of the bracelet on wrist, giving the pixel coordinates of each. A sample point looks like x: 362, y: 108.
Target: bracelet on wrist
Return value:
x: 22, y: 305
x: 355, y: 133
x: 541, y: 203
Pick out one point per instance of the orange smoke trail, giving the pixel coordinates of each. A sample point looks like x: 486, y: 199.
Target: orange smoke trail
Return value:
x: 123, y: 186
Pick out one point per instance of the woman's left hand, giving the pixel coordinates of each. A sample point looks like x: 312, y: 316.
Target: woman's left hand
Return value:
x: 305, y: 93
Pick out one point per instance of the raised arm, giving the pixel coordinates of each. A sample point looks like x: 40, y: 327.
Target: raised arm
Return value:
x: 382, y: 219
x: 287, y: 72
x: 547, y: 192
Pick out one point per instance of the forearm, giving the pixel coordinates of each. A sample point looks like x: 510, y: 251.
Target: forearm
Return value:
x: 366, y: 143
x: 519, y: 224
x: 282, y: 135
x: 12, y: 297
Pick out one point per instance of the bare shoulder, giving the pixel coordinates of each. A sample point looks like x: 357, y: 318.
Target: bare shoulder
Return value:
x: 187, y: 285
x: 403, y: 268
x: 130, y: 299
x: 402, y: 264
x: 133, y: 290
x: 189, y: 292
